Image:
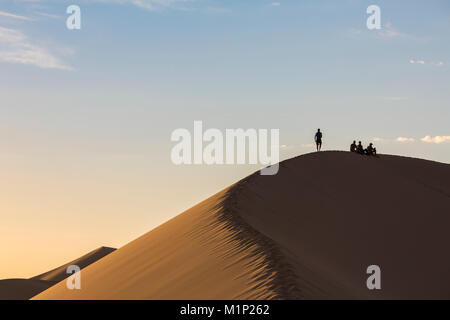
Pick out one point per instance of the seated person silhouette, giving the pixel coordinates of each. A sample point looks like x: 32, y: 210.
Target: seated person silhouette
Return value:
x: 370, y: 150
x: 360, y: 148
x: 353, y: 147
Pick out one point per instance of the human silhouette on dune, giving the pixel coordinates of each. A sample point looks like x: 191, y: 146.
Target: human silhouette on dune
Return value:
x: 370, y: 150
x: 353, y: 146
x: 318, y: 139
x: 360, y: 148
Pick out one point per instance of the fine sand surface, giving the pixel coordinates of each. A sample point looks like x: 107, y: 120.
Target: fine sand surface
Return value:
x: 308, y: 232
x: 24, y: 289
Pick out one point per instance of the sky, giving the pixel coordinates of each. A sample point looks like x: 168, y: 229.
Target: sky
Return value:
x: 86, y: 115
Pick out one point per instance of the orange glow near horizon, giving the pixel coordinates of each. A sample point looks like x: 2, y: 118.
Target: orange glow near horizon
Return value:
x: 54, y: 210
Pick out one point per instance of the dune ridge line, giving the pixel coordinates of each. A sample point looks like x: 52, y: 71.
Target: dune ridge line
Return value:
x: 276, y: 273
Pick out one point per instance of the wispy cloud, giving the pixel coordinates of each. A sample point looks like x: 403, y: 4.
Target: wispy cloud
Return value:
x: 287, y: 146
x: 436, y: 139
x: 49, y: 15
x: 403, y: 139
x: 16, y: 48
x: 149, y: 4
x: 388, y: 31
x: 423, y: 62
x: 14, y: 16
x: 275, y: 4
x: 426, y: 139
x: 438, y: 64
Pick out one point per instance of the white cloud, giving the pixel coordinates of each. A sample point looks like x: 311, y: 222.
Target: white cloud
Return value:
x: 287, y: 146
x: 49, y: 15
x: 143, y: 4
x: 427, y: 139
x: 148, y: 4
x: 391, y: 33
x: 436, y: 64
x: 388, y: 31
x: 14, y: 16
x: 403, y: 139
x: 436, y: 139
x: 275, y: 4
x: 16, y: 48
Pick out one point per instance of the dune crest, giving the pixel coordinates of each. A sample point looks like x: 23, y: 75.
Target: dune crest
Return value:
x: 309, y: 232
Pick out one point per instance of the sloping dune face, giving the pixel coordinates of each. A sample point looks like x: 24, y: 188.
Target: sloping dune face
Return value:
x: 200, y: 254
x: 60, y: 273
x: 311, y: 232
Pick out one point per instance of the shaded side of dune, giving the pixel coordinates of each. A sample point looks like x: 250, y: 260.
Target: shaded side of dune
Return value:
x: 277, y: 272
x: 333, y: 214
x: 22, y: 289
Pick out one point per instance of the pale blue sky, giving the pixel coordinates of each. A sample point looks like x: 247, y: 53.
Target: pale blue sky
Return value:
x: 296, y: 66
x: 97, y: 106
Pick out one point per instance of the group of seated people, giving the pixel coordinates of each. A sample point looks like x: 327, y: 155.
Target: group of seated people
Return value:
x: 370, y: 150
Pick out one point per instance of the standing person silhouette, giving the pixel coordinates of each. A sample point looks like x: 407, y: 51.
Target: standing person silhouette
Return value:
x: 318, y: 139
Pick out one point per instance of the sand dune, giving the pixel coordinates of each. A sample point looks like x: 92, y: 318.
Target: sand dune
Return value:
x: 60, y: 273
x: 23, y: 289
x: 196, y: 255
x: 309, y: 232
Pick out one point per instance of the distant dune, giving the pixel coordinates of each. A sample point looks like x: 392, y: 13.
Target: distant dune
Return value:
x: 24, y: 289
x: 60, y: 273
x: 309, y: 232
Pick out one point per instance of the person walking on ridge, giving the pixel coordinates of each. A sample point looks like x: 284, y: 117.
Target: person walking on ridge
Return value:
x: 318, y: 139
